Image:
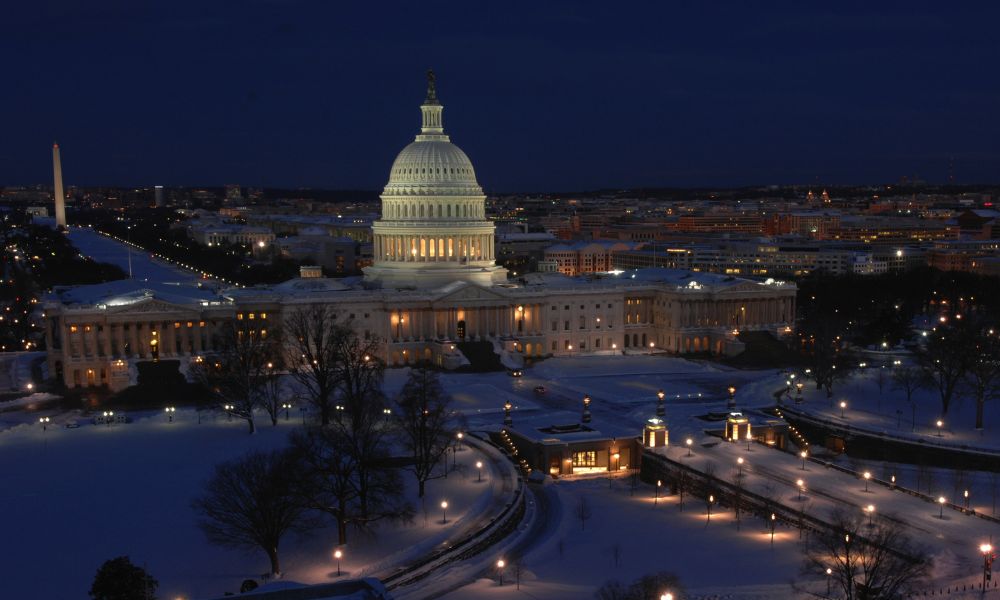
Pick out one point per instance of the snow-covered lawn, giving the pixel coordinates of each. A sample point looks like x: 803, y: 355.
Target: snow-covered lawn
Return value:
x: 73, y: 498
x: 709, y: 556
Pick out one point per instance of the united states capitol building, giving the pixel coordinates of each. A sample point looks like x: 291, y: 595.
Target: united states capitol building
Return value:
x: 433, y: 289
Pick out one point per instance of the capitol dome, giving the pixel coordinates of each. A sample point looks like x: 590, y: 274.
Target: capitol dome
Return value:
x: 433, y: 229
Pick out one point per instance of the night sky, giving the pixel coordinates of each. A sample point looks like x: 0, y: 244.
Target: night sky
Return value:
x: 541, y: 95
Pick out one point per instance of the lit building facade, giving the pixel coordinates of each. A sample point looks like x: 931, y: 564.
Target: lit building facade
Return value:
x: 433, y: 285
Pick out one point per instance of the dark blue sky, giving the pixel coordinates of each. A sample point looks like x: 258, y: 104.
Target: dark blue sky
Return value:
x: 541, y: 95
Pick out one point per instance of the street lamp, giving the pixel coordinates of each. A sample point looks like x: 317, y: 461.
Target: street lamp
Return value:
x: 667, y: 596
x: 941, y: 501
x: 586, y: 409
x: 170, y: 410
x: 45, y: 423
x: 829, y: 572
x: 660, y: 409
x: 688, y: 443
x: 867, y: 475
x: 708, y: 507
x: 739, y: 465
x: 800, y: 484
x: 108, y: 416
x: 798, y: 392
x: 30, y: 386
x: 966, y: 494
x: 500, y: 566
x: 803, y: 455
x: 388, y: 413
x: 732, y: 397
x: 444, y: 512
x: 507, y: 420
x: 338, y: 554
x: 229, y: 411
x: 287, y: 406
x: 773, y: 519
x: 843, y: 405
x: 870, y: 509
x: 479, y: 468
x: 656, y: 492
x: 987, y: 550
x: 939, y: 424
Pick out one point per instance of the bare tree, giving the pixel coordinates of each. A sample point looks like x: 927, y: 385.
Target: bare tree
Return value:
x: 868, y: 563
x: 983, y: 376
x: 908, y: 380
x: 312, y: 344
x: 583, y: 512
x: 424, y: 421
x: 328, y: 482
x: 249, y: 503
x: 237, y: 374
x: 647, y: 587
x: 944, y: 361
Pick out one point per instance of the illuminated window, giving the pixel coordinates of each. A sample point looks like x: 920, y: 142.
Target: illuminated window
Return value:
x: 263, y: 315
x: 250, y: 316
x: 263, y: 333
x: 201, y: 323
x: 178, y: 325
x: 190, y: 324
x: 87, y: 328
x: 73, y: 328
x: 587, y: 458
x: 239, y: 316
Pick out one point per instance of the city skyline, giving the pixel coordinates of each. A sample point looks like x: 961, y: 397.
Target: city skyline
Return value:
x: 562, y: 97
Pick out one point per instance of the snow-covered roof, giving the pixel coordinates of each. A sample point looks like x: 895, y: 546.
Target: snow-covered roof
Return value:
x: 130, y: 291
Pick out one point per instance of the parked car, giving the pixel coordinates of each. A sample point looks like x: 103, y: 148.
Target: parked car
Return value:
x: 539, y: 389
x: 515, y: 372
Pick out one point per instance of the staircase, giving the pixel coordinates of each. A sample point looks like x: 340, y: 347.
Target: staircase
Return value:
x: 481, y: 356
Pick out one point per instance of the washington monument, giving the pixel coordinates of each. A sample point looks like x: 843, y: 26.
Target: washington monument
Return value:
x: 60, y: 196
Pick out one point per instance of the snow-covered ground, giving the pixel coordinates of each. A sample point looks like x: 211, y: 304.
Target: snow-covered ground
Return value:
x: 144, y: 267
x: 73, y: 498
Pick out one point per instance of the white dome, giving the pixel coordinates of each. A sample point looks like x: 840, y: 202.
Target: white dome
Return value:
x: 432, y: 164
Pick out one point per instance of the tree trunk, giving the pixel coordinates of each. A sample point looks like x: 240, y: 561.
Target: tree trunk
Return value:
x: 272, y: 553
x: 979, y: 412
x: 253, y: 427
x: 420, y: 487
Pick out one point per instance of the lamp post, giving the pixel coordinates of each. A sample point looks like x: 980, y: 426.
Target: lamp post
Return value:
x: 749, y: 437
x: 941, y: 501
x: 843, y: 405
x: 507, y: 420
x: 867, y: 475
x: 338, y: 554
x: 108, y: 416
x: 688, y: 443
x: 229, y: 412
x: 800, y: 484
x: 45, y: 423
x: 966, y: 494
x: 170, y: 410
x: 660, y: 408
x: 387, y: 412
x: 739, y: 466
x: 773, y: 519
x: 798, y: 392
x: 870, y: 510
x: 656, y: 492
x: 479, y: 468
x: 829, y: 572
x: 586, y: 409
x: 708, y: 508
x: 939, y: 424
x: 454, y: 450
x: 287, y: 406
x: 666, y: 596
x: 444, y: 512
x: 987, y: 550
x: 803, y: 455
x: 731, y: 404
x: 500, y: 566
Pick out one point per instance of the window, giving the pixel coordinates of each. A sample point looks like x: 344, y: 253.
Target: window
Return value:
x: 263, y: 315
x: 583, y: 322
x: 239, y: 316
x: 554, y: 307
x: 566, y: 325
x: 74, y: 328
x: 597, y: 343
x: 554, y: 325
x: 87, y: 328
x: 587, y: 458
x: 177, y: 325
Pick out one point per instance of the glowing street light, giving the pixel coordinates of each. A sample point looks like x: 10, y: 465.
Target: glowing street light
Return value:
x: 798, y: 392
x: 688, y: 443
x: 732, y: 397
x: 966, y: 494
x: 939, y: 424
x: 656, y: 492
x: 803, y: 455
x: 867, y: 475
x: 170, y: 410
x: 987, y: 550
x: 708, y: 507
x: 507, y: 420
x: 843, y: 405
x: 739, y: 465
x: 660, y: 409
x: 444, y: 512
x: 287, y: 406
x: 829, y: 572
x: 30, y: 386
x: 586, y: 409
x: 774, y: 518
x: 338, y: 554
x: 500, y: 565
x: 108, y: 416
x: 229, y: 411
x: 44, y: 422
x: 941, y: 501
x: 870, y: 510
x: 479, y: 468
x: 666, y: 596
x: 801, y: 484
